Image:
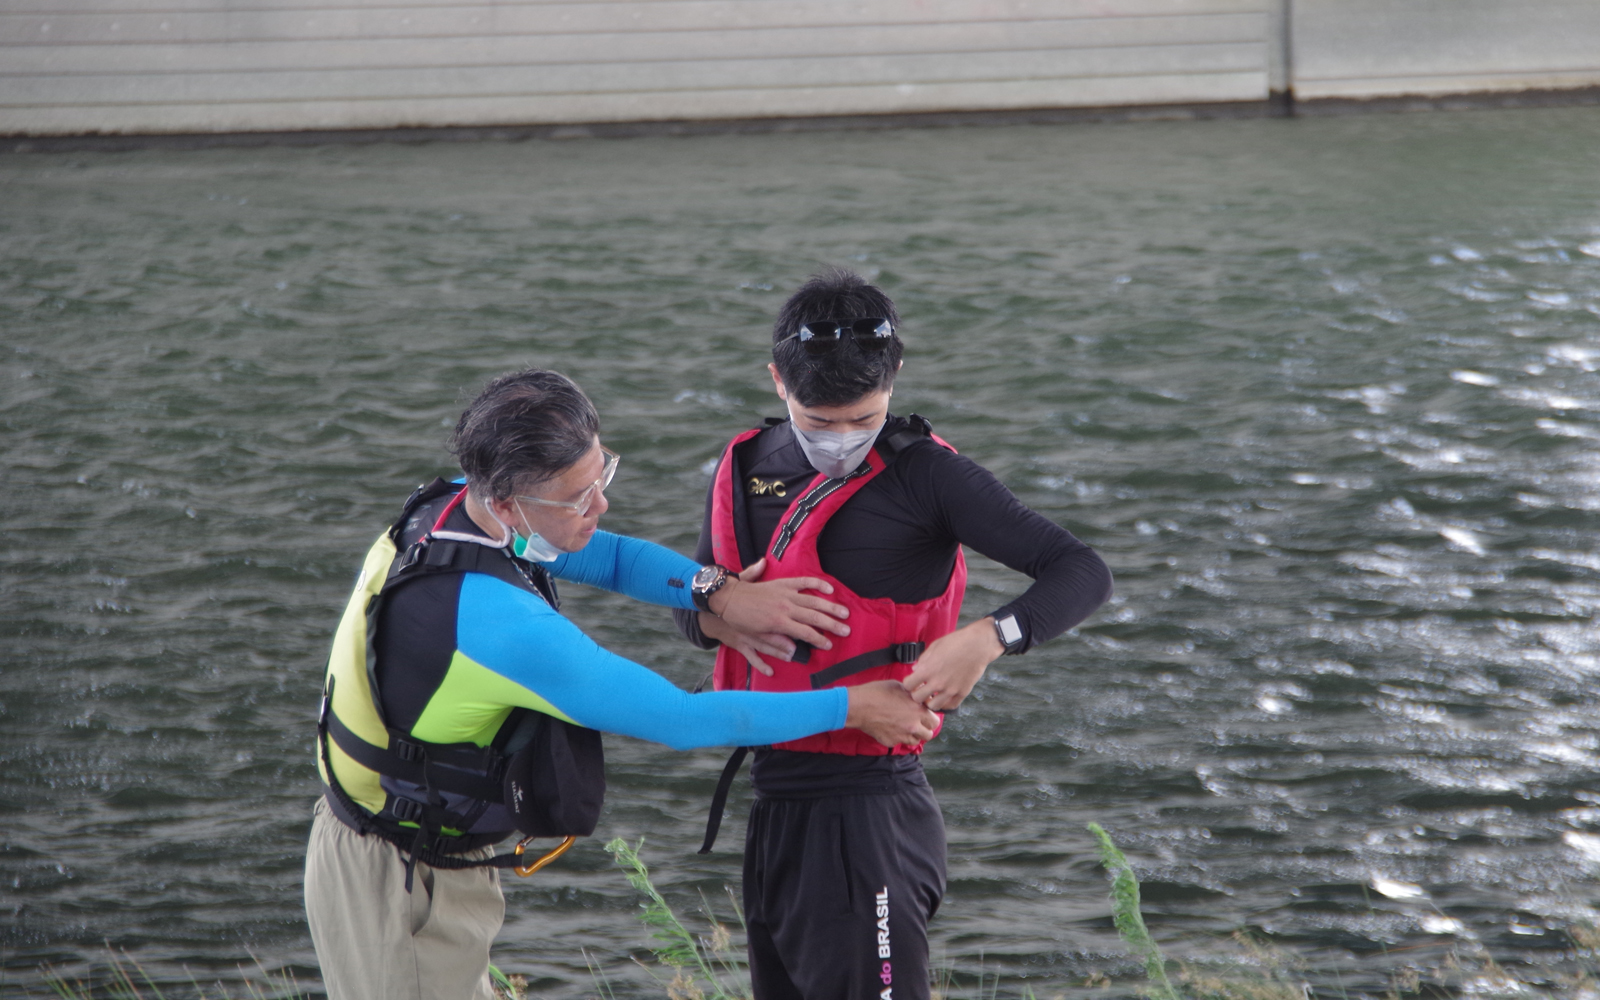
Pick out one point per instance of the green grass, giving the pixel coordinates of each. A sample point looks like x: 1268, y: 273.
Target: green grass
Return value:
x: 703, y: 968
x: 129, y: 981
x: 707, y: 967
x: 1128, y: 917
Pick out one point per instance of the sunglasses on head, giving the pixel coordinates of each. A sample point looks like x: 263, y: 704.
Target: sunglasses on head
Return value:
x: 871, y: 333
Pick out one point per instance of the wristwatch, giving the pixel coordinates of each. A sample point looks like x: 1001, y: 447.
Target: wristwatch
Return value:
x: 1010, y: 633
x: 708, y: 581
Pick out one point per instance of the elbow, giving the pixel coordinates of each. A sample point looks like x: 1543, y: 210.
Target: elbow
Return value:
x: 1108, y: 586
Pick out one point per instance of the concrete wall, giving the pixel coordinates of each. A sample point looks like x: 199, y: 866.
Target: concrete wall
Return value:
x: 1389, y: 48
x: 151, y: 66
x: 76, y: 66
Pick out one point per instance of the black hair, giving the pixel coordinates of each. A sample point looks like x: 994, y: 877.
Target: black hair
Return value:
x: 523, y: 429
x: 846, y: 373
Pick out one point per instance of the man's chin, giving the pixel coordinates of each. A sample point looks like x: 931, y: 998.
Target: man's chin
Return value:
x: 577, y: 542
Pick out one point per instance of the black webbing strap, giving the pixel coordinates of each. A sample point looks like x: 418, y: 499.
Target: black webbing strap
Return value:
x: 455, y: 861
x: 900, y: 652
x: 406, y: 761
x: 719, y: 799
x: 429, y: 555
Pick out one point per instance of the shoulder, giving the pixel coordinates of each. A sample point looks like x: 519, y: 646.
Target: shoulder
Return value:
x: 484, y: 596
x: 915, y: 444
x: 758, y: 441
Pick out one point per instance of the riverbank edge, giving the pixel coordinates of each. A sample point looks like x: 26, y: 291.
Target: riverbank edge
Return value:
x: 1278, y: 105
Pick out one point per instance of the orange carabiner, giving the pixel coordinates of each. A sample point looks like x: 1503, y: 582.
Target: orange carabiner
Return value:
x: 526, y: 870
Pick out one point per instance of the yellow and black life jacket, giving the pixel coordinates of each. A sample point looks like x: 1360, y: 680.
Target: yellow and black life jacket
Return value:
x: 548, y: 774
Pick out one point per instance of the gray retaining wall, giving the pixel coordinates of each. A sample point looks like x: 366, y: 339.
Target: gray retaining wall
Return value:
x: 72, y: 67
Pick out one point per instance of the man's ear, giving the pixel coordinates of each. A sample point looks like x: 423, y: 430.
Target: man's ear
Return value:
x: 504, y: 511
x: 777, y: 381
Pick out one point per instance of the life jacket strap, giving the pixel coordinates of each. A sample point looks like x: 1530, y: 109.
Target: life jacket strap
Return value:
x: 719, y: 799
x: 900, y: 652
x: 408, y: 759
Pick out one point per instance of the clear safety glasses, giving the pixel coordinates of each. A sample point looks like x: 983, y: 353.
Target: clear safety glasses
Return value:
x: 581, y: 505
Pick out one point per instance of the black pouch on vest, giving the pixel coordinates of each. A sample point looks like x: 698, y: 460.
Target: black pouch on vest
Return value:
x: 555, y: 781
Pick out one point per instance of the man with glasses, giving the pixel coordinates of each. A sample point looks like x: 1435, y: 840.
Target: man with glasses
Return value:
x: 459, y: 705
x: 845, y: 851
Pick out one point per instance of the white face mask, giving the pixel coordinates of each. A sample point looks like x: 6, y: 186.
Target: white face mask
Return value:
x: 835, y: 454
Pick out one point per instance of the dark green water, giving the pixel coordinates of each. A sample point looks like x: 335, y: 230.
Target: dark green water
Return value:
x: 1321, y: 391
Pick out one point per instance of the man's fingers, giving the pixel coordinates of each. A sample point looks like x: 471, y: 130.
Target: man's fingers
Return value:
x: 809, y: 583
x: 804, y: 633
x: 823, y: 605
x: 816, y: 619
x: 779, y: 647
x: 752, y: 572
x: 808, y: 626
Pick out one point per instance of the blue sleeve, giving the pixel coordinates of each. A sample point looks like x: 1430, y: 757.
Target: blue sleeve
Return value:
x: 642, y: 570
x: 517, y: 636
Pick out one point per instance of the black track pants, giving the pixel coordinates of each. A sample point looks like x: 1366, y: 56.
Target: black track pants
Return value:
x: 841, y: 875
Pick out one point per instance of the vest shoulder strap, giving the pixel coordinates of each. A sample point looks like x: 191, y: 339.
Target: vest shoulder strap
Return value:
x: 917, y: 428
x: 430, y: 556
x: 424, y: 494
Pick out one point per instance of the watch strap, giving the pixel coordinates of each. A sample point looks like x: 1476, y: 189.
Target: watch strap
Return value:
x: 1009, y: 632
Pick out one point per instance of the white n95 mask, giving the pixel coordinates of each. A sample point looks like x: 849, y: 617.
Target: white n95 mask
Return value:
x: 835, y: 454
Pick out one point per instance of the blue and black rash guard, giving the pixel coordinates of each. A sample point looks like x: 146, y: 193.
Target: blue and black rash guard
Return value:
x: 456, y: 652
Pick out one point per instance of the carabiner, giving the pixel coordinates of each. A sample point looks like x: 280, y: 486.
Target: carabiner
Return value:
x: 526, y: 870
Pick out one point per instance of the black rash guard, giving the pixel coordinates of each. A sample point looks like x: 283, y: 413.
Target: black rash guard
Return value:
x: 898, y: 536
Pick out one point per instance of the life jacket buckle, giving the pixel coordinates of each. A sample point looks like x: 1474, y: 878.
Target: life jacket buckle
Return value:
x: 406, y: 810
x: 908, y: 652
x: 408, y: 751
x: 560, y: 849
x: 409, y: 558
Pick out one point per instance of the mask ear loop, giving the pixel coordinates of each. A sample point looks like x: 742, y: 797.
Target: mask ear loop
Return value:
x: 525, y: 525
x: 509, y: 539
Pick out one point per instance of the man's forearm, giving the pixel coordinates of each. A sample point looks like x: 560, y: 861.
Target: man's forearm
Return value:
x: 688, y: 622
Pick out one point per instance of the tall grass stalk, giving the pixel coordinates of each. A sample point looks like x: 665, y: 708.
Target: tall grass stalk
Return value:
x: 1129, y: 920
x: 689, y: 956
x: 279, y: 986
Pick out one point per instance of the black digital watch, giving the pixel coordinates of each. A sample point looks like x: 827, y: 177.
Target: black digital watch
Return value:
x: 1009, y: 633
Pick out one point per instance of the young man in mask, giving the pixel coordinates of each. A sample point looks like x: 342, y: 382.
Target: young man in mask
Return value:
x: 845, y: 849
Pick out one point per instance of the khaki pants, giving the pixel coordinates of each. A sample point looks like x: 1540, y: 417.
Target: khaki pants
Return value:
x: 375, y: 941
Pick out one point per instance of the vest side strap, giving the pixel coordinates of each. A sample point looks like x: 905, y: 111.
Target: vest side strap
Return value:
x: 397, y: 766
x: 719, y: 800
x: 900, y: 652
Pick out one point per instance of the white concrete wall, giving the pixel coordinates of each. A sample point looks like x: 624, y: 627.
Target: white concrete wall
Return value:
x: 1392, y: 48
x: 130, y: 66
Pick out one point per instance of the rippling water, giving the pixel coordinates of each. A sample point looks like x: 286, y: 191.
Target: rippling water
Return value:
x: 1322, y: 392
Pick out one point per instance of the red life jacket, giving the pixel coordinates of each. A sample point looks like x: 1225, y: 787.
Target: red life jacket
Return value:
x: 885, y: 638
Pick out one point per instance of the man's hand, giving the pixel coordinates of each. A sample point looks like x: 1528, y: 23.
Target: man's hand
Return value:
x: 774, y: 644
x: 778, y: 607
x: 952, y: 665
x: 884, y: 711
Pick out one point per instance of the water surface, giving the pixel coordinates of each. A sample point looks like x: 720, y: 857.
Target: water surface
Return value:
x: 1321, y: 391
